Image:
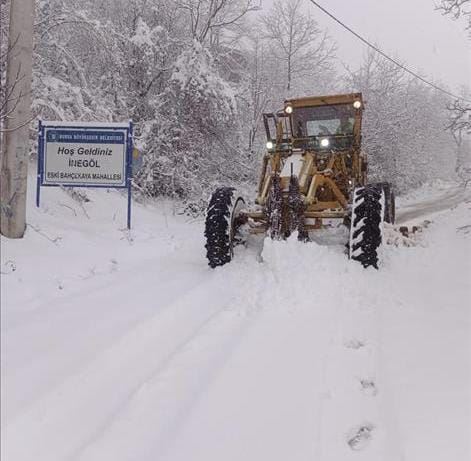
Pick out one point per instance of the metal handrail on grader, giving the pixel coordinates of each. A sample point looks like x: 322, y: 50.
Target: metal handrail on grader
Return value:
x: 313, y: 171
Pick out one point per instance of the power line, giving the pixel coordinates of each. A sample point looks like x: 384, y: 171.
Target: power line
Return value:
x: 382, y: 53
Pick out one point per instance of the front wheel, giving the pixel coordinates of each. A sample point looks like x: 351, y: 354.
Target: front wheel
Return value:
x: 222, y: 223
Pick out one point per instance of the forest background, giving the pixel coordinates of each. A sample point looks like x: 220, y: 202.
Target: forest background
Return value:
x: 195, y: 77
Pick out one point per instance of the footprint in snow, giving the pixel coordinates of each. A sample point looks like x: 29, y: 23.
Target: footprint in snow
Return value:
x: 354, y: 344
x: 360, y: 437
x: 368, y: 387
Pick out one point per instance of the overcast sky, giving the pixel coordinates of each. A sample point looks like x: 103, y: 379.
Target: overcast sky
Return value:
x: 409, y: 29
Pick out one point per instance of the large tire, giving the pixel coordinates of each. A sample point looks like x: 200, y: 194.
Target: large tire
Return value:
x: 274, y: 210
x: 389, y: 202
x: 366, y: 225
x: 221, y: 225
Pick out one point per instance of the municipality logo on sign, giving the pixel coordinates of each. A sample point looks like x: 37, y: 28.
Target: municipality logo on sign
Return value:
x: 53, y: 136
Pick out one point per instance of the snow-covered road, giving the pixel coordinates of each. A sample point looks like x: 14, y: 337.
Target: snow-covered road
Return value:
x: 126, y: 346
x: 438, y: 201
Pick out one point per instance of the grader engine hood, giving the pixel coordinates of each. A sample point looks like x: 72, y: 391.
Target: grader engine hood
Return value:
x: 294, y: 165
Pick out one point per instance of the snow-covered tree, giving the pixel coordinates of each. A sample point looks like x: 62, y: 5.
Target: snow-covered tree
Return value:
x: 209, y: 20
x: 405, y: 123
x: 195, y: 140
x: 303, y: 52
x: 460, y: 110
x: 4, y: 51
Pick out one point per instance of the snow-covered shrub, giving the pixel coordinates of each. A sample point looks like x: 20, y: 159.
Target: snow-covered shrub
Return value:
x: 197, y: 118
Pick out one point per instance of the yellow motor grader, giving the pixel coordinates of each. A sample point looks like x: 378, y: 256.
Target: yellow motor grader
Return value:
x: 314, y: 171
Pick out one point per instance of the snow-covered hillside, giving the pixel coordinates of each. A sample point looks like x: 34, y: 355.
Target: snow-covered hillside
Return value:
x: 122, y: 345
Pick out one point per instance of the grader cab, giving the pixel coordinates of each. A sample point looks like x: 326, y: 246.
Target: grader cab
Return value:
x: 313, y: 173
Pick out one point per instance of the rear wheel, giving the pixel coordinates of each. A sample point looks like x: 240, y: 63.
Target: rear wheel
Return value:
x: 366, y: 224
x: 389, y: 202
x: 222, y: 223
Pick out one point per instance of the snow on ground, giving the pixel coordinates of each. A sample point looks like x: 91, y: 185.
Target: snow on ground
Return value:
x: 122, y: 345
x: 430, y: 198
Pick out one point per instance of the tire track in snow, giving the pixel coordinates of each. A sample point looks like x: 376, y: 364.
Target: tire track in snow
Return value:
x: 96, y: 330
x: 159, y: 411
x: 68, y: 411
x: 264, y: 403
x: 150, y: 418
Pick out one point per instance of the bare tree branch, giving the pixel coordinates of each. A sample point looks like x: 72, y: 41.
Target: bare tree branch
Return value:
x: 460, y: 118
x: 457, y: 9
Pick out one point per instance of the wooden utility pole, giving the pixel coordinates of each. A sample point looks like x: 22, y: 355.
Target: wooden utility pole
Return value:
x: 14, y: 155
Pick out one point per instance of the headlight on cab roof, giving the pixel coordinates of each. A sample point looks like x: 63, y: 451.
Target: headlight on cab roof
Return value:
x: 289, y: 109
x: 270, y: 145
